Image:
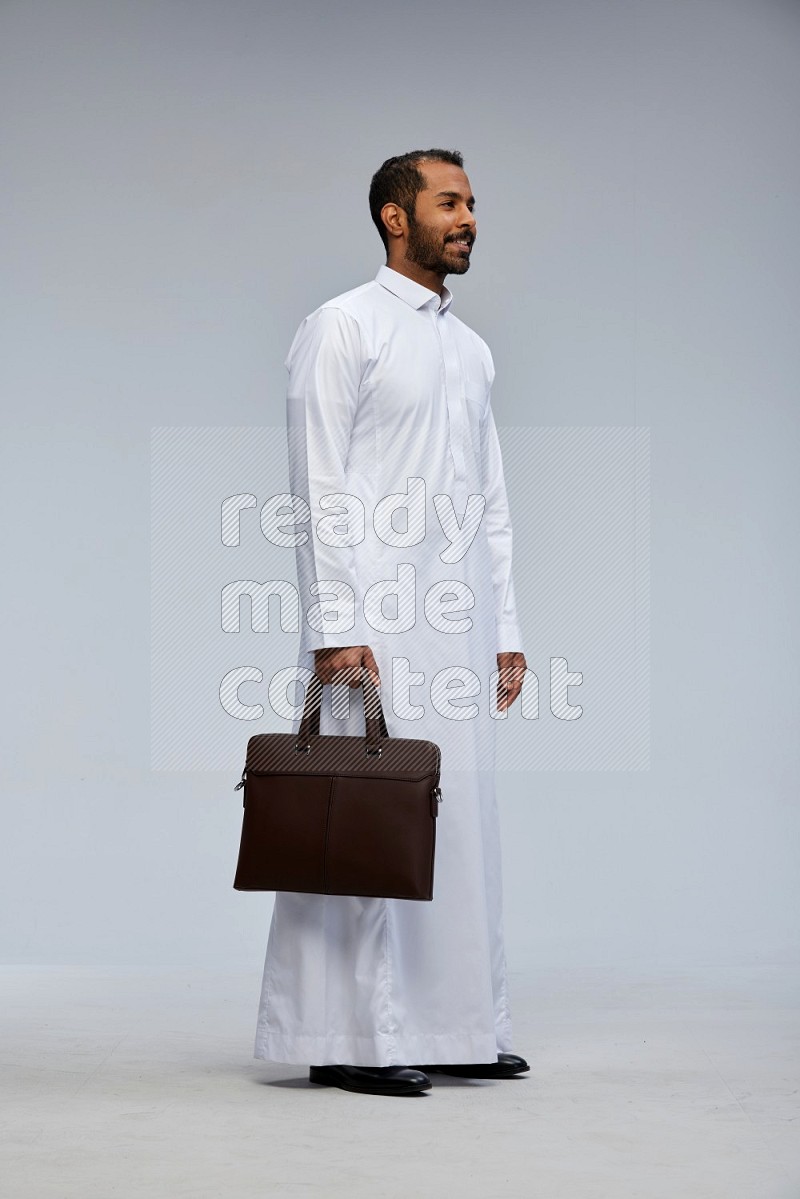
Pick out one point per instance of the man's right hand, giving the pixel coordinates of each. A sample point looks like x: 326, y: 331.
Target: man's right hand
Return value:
x: 343, y: 665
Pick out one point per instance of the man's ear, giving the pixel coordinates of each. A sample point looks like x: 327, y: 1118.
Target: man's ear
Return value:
x: 395, y: 220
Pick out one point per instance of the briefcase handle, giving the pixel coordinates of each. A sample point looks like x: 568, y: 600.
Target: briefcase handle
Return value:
x: 373, y: 713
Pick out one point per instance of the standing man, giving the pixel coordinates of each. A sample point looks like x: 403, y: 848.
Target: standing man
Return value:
x: 389, y: 407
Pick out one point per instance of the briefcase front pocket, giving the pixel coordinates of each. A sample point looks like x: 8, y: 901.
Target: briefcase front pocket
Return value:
x: 338, y: 835
x: 283, y: 833
x: 381, y: 841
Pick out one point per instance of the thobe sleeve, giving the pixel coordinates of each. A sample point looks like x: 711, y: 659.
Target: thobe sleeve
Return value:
x: 497, y: 518
x: 324, y: 365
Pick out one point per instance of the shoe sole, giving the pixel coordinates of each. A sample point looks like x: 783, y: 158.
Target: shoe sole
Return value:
x: 343, y: 1086
x: 464, y: 1074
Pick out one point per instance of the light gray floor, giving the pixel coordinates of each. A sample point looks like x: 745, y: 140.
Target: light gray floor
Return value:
x: 682, y: 1084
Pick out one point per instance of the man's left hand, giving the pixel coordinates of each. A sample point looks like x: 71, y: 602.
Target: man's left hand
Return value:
x: 511, y: 669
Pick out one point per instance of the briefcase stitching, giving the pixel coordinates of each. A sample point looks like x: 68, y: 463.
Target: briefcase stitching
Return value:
x: 331, y: 795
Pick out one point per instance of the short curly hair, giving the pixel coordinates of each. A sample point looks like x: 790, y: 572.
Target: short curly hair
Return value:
x: 398, y: 181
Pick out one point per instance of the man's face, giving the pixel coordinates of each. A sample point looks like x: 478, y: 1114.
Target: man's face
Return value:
x: 443, y: 228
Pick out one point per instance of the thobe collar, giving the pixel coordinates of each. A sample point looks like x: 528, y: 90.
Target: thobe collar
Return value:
x: 412, y: 292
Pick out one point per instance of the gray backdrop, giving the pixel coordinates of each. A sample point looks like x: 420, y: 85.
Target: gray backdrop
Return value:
x: 183, y: 182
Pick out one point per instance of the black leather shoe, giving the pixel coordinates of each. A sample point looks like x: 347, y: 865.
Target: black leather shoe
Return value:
x: 372, y: 1080
x: 506, y: 1066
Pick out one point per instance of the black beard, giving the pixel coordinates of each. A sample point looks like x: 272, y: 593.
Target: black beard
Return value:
x: 425, y: 249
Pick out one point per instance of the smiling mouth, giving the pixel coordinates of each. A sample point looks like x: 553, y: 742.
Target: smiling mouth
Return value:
x: 462, y: 243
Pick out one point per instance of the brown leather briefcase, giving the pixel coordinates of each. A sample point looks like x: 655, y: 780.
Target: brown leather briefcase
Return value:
x: 339, y: 815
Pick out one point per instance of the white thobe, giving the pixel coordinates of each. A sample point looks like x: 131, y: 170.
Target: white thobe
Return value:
x: 387, y: 385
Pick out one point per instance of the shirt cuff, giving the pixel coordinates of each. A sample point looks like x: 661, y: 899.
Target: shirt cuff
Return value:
x: 508, y: 638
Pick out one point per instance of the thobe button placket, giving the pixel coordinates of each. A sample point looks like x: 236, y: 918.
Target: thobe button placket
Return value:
x: 453, y: 386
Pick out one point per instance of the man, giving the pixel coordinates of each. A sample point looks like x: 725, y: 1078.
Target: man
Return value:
x: 388, y: 407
